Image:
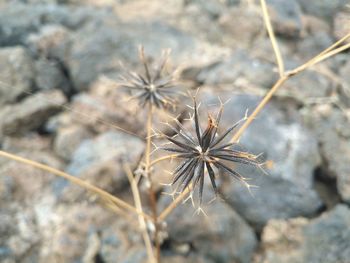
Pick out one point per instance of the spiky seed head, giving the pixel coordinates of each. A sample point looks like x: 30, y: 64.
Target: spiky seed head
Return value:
x: 206, y: 152
x: 154, y: 86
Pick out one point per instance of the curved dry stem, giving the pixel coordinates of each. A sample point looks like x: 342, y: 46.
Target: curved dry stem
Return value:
x: 98, y: 191
x: 142, y: 221
x: 327, y: 53
x: 175, y: 203
x: 272, y: 37
x: 260, y: 106
x: 171, y: 156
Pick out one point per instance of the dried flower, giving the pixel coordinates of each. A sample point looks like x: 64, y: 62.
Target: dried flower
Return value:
x: 154, y: 86
x: 205, y: 150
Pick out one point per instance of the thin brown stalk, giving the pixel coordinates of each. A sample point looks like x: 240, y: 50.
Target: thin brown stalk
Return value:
x: 333, y: 46
x: 175, y: 203
x: 318, y: 58
x: 171, y: 156
x: 152, y: 194
x: 328, y: 52
x: 260, y: 106
x: 272, y: 37
x: 98, y: 191
x: 142, y: 221
x: 114, y: 208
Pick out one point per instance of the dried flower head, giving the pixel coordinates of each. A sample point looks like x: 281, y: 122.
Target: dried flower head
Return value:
x: 204, y: 151
x: 156, y: 87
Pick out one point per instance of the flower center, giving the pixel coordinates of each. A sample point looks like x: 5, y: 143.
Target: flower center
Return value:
x: 152, y: 87
x: 201, y: 153
x: 199, y: 149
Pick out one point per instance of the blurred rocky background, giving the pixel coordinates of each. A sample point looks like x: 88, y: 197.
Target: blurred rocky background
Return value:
x: 61, y: 52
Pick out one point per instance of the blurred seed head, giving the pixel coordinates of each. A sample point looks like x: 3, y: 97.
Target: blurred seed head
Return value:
x: 155, y: 86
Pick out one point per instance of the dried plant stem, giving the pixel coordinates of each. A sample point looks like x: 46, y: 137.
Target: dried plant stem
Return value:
x: 344, y: 38
x: 142, y: 221
x: 328, y: 54
x: 318, y: 58
x: 260, y: 106
x: 98, y: 191
x: 111, y: 206
x: 152, y: 194
x: 272, y: 37
x: 284, y: 76
x: 175, y: 203
x: 171, y: 156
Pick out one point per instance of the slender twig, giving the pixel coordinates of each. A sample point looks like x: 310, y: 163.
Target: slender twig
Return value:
x: 103, y: 194
x: 260, y: 106
x: 152, y: 194
x: 142, y: 221
x: 333, y: 46
x: 107, y: 203
x: 329, y: 54
x: 171, y: 156
x: 284, y: 76
x: 318, y: 58
x: 272, y: 37
x: 175, y: 203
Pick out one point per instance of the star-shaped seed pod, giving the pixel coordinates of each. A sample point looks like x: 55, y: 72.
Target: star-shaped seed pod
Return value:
x: 156, y: 87
x: 205, y: 153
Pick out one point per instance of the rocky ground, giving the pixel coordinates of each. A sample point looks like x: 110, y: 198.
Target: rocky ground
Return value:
x: 66, y: 52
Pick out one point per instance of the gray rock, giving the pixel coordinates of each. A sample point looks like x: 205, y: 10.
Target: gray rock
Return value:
x: 223, y: 236
x: 18, y: 21
x: 16, y: 74
x: 50, y: 75
x: 7, y: 187
x: 332, y: 130
x: 341, y: 24
x: 99, y: 47
x: 327, y: 237
x: 273, y: 198
x: 316, y: 37
x: 232, y: 2
x: 124, y: 247
x: 24, y: 242
x: 22, y: 182
x: 100, y: 161
x: 213, y: 8
x: 76, y: 223
x: 322, y: 8
x: 287, y: 190
x: 31, y: 113
x: 105, y: 107
x: 285, y: 17
x: 308, y: 86
x: 281, y: 241
x: 238, y: 65
x: 51, y: 41
x: 68, y: 139
x: 106, y: 146
x: 312, y: 45
x: 192, y: 258
x: 298, y: 240
x: 345, y: 75
x: 234, y: 30
x: 51, y: 45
